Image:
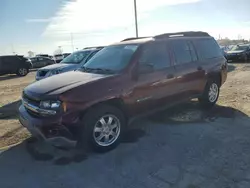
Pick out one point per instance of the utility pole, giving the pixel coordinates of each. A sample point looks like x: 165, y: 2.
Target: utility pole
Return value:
x: 12, y: 48
x: 72, y: 42
x: 136, y: 23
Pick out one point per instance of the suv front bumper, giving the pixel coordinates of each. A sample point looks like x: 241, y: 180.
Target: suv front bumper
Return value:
x: 47, y: 129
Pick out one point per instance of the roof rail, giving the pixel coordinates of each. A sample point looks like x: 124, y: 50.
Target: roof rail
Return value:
x: 133, y: 38
x: 93, y: 47
x: 183, y: 34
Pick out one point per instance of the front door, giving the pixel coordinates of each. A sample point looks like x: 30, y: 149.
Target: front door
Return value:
x: 154, y: 86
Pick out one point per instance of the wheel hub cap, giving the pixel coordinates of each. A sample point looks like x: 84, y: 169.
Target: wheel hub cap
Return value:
x: 106, y: 130
x: 213, y: 92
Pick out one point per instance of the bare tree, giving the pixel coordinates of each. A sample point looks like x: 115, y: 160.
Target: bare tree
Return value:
x: 31, y: 54
x: 59, y: 50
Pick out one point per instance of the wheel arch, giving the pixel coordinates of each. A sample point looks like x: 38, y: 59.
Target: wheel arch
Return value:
x: 115, y: 102
x: 215, y: 76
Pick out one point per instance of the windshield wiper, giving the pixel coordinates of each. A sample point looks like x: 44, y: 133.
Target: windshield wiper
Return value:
x: 85, y: 69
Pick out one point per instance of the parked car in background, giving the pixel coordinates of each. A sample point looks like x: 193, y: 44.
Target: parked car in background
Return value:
x: 240, y: 52
x: 42, y: 55
x: 70, y: 63
x: 66, y: 55
x: 39, y: 61
x: 58, y: 58
x: 123, y: 81
x: 14, y: 64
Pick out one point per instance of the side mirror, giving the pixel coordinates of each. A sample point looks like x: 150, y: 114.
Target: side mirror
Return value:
x: 145, y: 68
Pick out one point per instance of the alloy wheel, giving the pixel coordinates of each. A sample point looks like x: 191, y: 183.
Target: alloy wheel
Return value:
x: 213, y: 92
x: 22, y: 71
x: 107, y: 130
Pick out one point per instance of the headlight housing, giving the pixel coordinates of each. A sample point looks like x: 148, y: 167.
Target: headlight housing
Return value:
x: 54, y: 72
x: 50, y: 104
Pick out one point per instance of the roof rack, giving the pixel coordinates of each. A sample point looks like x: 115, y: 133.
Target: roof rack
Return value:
x: 183, y: 34
x: 133, y: 38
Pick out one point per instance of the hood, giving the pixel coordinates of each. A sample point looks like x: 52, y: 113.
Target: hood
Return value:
x: 60, y: 66
x: 235, y: 52
x: 60, y: 83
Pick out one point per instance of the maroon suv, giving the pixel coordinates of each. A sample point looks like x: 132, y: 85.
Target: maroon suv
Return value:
x: 124, y: 80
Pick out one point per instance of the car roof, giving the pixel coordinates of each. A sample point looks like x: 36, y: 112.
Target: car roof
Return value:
x: 164, y: 36
x: 11, y: 56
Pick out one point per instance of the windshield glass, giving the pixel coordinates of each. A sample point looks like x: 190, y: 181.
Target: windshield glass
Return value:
x: 112, y: 58
x: 76, y: 57
x: 238, y: 47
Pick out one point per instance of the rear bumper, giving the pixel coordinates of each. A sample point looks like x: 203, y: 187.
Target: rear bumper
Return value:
x: 47, y: 129
x: 234, y: 57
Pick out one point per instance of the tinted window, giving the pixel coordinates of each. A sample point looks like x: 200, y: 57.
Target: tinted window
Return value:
x: 91, y: 55
x: 76, y: 57
x: 208, y: 48
x: 33, y: 59
x: 155, y: 54
x: 192, y: 51
x: 10, y: 59
x: 181, y: 51
x: 40, y: 59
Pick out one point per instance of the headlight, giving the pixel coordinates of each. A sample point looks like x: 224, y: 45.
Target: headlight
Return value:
x: 50, y: 104
x: 54, y: 72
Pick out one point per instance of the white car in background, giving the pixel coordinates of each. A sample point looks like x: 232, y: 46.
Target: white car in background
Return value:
x: 58, y: 58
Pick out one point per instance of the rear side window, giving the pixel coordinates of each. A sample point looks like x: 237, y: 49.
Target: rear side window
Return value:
x: 181, y: 50
x: 208, y: 48
x: 155, y: 54
x: 11, y: 59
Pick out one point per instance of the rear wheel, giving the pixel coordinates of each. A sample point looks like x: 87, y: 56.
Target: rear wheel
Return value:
x: 244, y: 57
x: 103, y: 128
x: 22, y: 71
x: 210, y: 94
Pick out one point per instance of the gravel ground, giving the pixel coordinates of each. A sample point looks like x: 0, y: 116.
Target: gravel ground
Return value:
x: 184, y: 147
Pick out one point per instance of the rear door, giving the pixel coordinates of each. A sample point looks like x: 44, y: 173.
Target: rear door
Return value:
x: 187, y: 72
x: 211, y: 59
x: 155, y: 88
x: 10, y: 64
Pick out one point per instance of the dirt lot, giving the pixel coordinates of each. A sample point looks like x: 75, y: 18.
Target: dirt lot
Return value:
x: 235, y: 93
x: 185, y: 147
x: 11, y: 88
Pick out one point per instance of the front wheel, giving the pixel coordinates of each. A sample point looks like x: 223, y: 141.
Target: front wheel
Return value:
x: 22, y: 71
x: 103, y: 128
x: 210, y: 94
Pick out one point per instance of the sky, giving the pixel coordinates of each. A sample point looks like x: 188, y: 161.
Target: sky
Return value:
x: 44, y: 26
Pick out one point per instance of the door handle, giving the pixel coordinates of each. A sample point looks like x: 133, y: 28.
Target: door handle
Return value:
x: 199, y: 68
x: 169, y: 76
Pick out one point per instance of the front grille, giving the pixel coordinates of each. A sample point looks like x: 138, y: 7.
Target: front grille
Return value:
x: 42, y: 73
x: 32, y: 101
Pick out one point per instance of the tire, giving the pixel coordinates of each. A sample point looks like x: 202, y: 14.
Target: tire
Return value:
x: 210, y: 94
x: 97, y: 130
x: 22, y: 71
x: 245, y: 58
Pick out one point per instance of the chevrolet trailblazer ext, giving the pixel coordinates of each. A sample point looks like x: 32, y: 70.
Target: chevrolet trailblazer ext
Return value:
x: 123, y: 80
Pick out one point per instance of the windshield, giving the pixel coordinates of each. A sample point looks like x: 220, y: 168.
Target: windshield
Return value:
x: 112, y: 58
x: 76, y: 57
x: 238, y: 47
